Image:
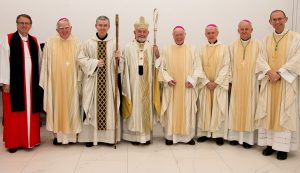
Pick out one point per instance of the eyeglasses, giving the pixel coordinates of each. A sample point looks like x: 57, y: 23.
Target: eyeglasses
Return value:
x: 24, y: 23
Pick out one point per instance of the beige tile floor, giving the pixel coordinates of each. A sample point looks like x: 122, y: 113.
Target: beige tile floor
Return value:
x: 156, y: 158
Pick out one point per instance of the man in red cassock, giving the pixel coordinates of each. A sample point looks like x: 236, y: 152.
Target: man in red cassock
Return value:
x: 22, y: 97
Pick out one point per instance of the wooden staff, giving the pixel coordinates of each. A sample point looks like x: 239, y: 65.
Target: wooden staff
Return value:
x: 116, y: 79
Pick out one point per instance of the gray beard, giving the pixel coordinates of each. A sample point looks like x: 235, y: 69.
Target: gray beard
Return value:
x: 141, y: 40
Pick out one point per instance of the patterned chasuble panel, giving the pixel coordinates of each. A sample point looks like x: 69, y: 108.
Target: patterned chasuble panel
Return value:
x: 102, y: 88
x: 145, y: 90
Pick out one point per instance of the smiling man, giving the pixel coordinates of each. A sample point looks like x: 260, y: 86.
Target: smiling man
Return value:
x: 243, y: 54
x: 19, y: 73
x: 277, y: 114
x: 180, y: 71
x: 138, y: 84
x: 97, y: 61
x: 212, y: 115
x: 59, y: 81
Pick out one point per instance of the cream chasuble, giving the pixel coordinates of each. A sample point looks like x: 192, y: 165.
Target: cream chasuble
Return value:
x: 137, y: 92
x: 179, y: 71
x: 244, y: 91
x: 244, y: 85
x: 88, y: 61
x: 179, y: 63
x: 213, y: 105
x: 276, y: 52
x: 277, y: 116
x: 59, y: 81
x: 210, y: 60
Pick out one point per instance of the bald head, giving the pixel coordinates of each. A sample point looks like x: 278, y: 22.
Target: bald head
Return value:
x: 209, y: 26
x: 245, y: 29
x: 64, y: 28
x: 211, y: 33
x: 245, y: 22
x: 179, y: 35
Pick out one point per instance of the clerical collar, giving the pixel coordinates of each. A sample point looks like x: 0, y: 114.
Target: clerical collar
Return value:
x: 24, y: 38
x: 101, y: 38
x: 282, y: 33
x: 179, y: 44
x: 140, y: 42
x: 246, y: 39
x: 213, y: 42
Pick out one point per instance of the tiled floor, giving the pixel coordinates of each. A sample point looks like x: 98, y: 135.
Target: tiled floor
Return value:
x: 156, y: 158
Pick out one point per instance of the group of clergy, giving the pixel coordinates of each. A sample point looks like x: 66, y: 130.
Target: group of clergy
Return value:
x: 246, y: 93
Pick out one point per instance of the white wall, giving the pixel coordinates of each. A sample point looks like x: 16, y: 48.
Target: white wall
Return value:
x: 194, y: 15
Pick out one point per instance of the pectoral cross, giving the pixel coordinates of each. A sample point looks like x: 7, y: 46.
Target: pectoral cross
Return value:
x: 276, y: 47
x: 275, y: 54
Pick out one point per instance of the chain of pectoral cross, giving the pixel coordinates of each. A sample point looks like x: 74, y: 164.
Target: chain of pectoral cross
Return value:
x: 277, y: 42
x: 244, y: 51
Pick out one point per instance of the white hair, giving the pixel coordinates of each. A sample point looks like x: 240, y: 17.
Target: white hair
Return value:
x: 62, y: 20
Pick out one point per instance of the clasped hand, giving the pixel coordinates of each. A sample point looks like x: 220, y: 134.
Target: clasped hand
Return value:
x: 273, y: 76
x: 211, y: 85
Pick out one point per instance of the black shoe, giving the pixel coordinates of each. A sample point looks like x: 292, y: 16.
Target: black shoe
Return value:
x: 135, y: 143
x: 281, y: 155
x: 89, y: 144
x: 55, y: 142
x: 147, y: 143
x: 191, y: 142
x: 12, y: 150
x: 234, y: 143
x: 169, y: 142
x: 268, y: 151
x: 107, y: 144
x: 202, y: 139
x: 219, y: 141
x: 246, y: 145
